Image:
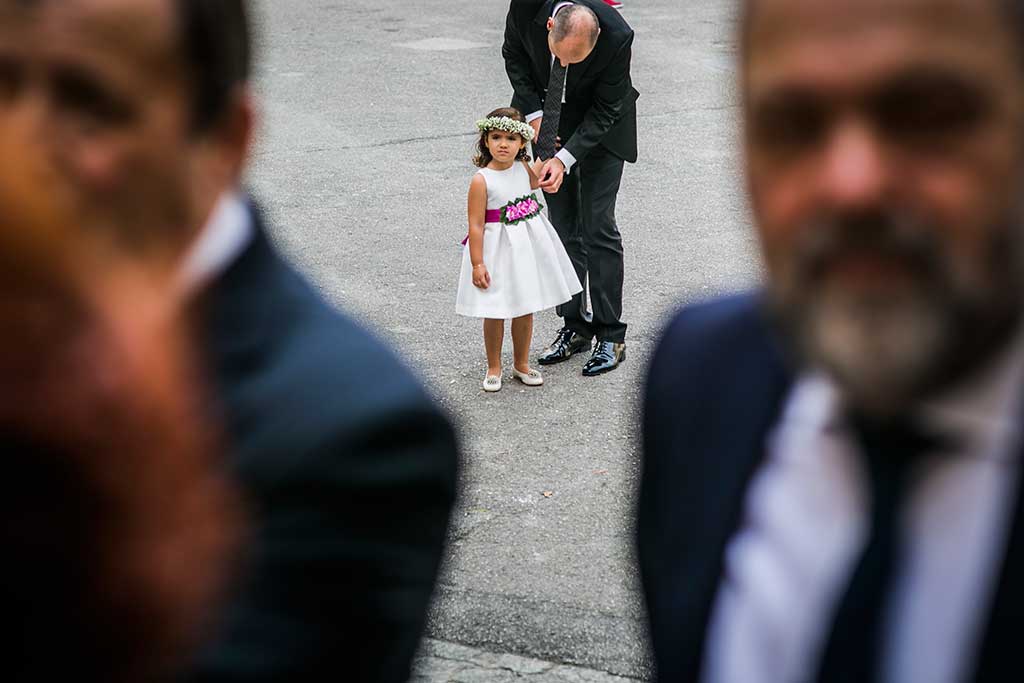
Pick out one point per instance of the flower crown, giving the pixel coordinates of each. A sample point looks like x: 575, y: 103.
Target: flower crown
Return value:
x: 506, y: 124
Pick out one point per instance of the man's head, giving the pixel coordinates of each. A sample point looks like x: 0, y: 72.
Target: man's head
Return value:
x: 573, y: 33
x: 141, y: 105
x: 91, y: 329
x: 885, y: 156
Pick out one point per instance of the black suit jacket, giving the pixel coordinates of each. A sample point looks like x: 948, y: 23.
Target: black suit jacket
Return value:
x: 349, y: 471
x: 600, y: 101
x: 716, y: 386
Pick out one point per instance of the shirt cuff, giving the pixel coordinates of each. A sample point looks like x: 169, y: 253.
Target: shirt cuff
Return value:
x: 566, y: 157
x: 535, y: 115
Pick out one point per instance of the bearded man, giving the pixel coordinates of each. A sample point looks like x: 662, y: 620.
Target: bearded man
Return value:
x: 831, y: 485
x: 144, y: 110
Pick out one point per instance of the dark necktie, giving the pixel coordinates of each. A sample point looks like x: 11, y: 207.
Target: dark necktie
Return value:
x: 854, y: 645
x: 544, y: 148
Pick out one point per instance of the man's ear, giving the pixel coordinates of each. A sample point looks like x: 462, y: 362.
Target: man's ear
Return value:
x: 551, y: 23
x: 235, y: 132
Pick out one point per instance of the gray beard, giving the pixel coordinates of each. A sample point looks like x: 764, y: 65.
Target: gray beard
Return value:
x: 888, y: 351
x: 884, y: 354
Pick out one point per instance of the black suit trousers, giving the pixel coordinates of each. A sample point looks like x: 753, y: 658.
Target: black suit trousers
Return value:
x: 583, y: 213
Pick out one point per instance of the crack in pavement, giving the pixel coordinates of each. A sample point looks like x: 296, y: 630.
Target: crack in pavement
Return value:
x: 548, y: 666
x: 435, y: 654
x: 400, y: 141
x: 687, y: 110
x: 532, y: 600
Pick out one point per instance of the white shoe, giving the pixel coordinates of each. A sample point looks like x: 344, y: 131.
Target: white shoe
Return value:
x: 533, y: 378
x: 492, y: 383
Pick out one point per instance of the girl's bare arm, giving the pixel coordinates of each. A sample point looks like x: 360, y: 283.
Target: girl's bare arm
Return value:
x: 476, y: 210
x: 532, y: 169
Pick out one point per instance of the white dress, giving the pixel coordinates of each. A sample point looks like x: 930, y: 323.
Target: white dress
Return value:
x: 529, y: 268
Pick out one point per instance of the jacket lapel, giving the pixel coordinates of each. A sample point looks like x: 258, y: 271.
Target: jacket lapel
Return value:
x: 544, y: 13
x: 234, y: 308
x: 577, y: 71
x: 1000, y: 647
x: 724, y: 446
x: 539, y: 39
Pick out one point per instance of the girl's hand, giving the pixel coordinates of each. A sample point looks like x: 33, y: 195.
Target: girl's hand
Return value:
x: 481, y: 278
x: 534, y: 169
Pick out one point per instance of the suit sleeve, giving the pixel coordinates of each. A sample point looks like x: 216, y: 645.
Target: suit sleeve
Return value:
x: 345, y: 556
x: 653, y: 480
x: 525, y: 96
x: 610, y: 98
x: 660, y: 483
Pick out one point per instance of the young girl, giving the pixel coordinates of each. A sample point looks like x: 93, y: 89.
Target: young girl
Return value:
x: 515, y: 264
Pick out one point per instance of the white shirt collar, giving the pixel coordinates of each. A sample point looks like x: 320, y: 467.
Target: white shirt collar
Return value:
x: 983, y: 411
x: 558, y: 7
x: 226, y: 233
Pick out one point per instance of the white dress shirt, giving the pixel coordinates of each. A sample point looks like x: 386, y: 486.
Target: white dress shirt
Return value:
x: 564, y: 155
x: 226, y: 233
x: 805, y: 521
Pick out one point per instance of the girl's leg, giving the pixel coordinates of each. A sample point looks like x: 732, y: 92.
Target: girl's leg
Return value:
x: 522, y: 335
x: 494, y: 331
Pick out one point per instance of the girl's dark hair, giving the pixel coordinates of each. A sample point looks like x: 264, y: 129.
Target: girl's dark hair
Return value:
x: 483, y: 155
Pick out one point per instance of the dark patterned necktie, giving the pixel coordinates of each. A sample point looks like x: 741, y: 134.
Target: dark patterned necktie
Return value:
x: 855, y: 642
x: 544, y: 148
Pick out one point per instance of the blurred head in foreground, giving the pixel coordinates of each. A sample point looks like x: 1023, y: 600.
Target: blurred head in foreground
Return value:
x: 885, y: 155
x: 141, y: 110
x: 141, y: 105
x: 117, y: 526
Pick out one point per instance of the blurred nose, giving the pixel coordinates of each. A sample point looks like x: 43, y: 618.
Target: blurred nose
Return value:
x: 29, y: 115
x: 855, y: 171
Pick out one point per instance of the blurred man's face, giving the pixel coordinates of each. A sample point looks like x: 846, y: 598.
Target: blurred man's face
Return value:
x: 104, y: 87
x: 884, y: 148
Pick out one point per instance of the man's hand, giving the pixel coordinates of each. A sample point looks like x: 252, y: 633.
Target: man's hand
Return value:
x: 551, y: 175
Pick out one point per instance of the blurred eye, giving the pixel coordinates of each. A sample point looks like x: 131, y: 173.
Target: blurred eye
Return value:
x: 789, y: 123
x: 85, y: 100
x: 926, y: 107
x: 11, y: 77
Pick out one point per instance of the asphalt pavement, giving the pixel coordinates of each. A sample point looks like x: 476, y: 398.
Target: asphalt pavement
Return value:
x: 363, y: 164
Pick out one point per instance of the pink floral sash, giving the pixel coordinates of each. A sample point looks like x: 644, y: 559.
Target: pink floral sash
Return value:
x: 516, y: 211
x: 521, y: 209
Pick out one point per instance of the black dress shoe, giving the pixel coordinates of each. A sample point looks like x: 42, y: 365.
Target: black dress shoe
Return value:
x: 607, y: 356
x: 565, y: 345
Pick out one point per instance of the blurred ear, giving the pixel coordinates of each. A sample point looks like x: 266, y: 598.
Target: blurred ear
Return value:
x: 219, y: 156
x: 232, y: 137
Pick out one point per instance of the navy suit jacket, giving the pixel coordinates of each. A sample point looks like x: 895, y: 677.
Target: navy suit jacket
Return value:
x: 600, y: 100
x: 349, y: 472
x: 716, y: 386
